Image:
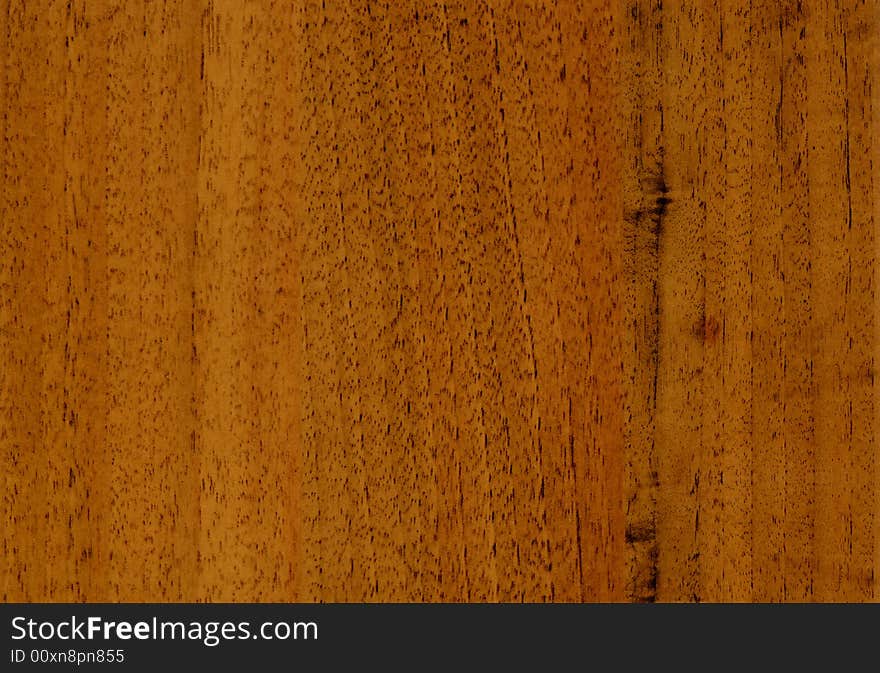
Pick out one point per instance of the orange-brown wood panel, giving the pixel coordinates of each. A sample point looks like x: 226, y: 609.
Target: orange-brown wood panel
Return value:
x: 475, y: 300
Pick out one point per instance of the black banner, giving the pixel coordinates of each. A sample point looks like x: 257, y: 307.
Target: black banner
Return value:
x: 133, y: 637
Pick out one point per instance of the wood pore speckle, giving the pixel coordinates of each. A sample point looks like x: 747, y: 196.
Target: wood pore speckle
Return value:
x: 421, y: 301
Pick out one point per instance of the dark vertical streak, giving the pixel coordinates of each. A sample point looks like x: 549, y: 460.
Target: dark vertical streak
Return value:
x: 846, y: 117
x: 644, y: 226
x: 654, y: 551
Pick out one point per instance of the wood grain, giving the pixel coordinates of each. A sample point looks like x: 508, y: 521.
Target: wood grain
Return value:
x: 486, y: 300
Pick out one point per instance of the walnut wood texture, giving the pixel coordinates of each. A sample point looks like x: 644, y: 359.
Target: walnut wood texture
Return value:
x: 486, y: 300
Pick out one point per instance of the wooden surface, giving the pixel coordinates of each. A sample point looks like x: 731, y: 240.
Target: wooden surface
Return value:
x: 470, y: 301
